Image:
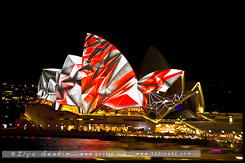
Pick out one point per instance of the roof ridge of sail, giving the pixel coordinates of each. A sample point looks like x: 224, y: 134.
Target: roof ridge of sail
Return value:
x: 153, y: 61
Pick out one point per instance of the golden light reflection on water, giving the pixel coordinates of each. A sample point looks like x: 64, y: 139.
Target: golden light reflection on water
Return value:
x: 123, y: 144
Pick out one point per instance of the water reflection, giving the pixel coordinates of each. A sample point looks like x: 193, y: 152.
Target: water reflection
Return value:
x: 77, y: 144
x: 53, y: 143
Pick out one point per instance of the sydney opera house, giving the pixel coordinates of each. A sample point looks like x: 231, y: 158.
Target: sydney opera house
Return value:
x: 100, y: 91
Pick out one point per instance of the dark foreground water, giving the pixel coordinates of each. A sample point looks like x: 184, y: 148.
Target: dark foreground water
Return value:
x: 22, y: 143
x: 53, y: 143
x: 30, y: 143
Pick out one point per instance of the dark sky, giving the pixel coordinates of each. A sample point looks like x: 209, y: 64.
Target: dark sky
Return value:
x: 212, y: 59
x: 208, y: 52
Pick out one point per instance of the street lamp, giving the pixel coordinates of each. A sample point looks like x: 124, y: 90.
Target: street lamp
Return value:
x: 230, y: 119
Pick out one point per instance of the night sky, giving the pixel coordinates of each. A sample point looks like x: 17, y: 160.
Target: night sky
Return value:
x: 212, y: 56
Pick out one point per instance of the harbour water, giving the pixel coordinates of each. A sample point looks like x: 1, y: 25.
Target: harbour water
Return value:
x: 53, y: 143
x: 31, y: 143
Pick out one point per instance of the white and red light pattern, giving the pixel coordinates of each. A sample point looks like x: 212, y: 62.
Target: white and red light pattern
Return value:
x: 69, y: 88
x: 104, y: 76
x: 48, y: 84
x: 157, y: 81
x: 107, y: 77
x: 127, y: 96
